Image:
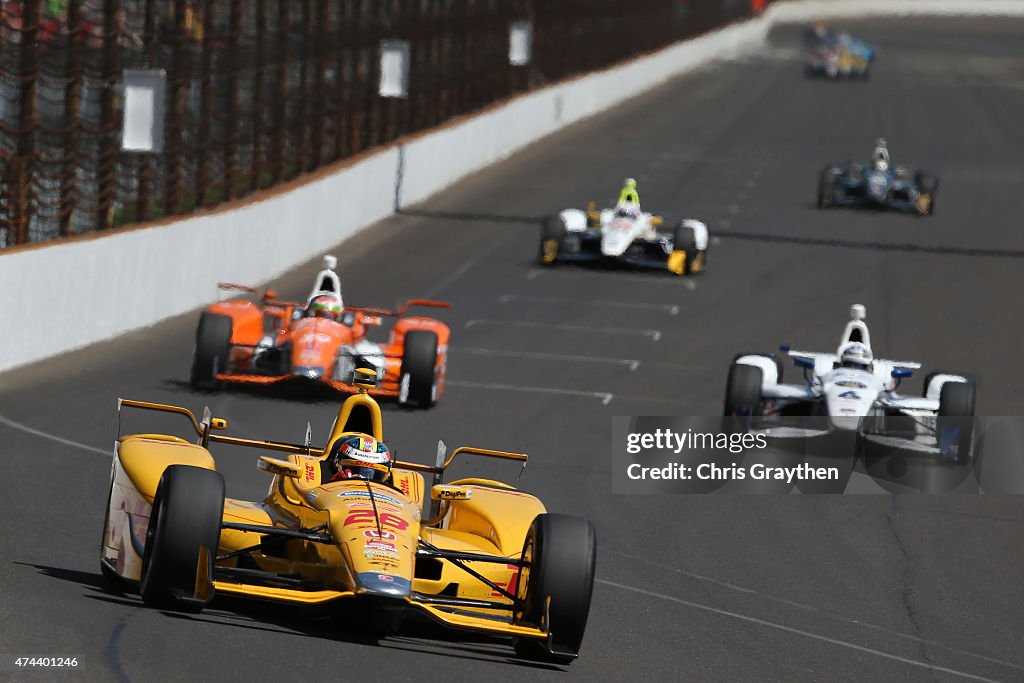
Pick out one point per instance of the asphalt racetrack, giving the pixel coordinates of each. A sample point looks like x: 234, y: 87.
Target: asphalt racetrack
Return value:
x: 716, y: 587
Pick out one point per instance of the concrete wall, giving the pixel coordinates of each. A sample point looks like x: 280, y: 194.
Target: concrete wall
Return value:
x: 102, y: 287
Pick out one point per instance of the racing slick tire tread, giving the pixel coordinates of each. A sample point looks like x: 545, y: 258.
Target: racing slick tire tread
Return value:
x: 419, y: 360
x: 956, y: 411
x: 552, y: 229
x: 187, y: 513
x: 743, y: 391
x: 213, y: 348
x: 562, y: 552
x: 684, y: 239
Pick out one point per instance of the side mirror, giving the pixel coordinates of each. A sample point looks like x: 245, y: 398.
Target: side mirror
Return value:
x: 784, y: 348
x: 218, y: 423
x: 270, y: 294
x: 899, y: 373
x: 374, y: 320
x: 657, y: 220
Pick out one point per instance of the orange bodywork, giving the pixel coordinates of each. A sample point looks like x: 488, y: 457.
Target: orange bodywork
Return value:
x: 310, y: 348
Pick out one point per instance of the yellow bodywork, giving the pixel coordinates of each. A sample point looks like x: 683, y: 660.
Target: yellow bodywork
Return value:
x: 369, y: 532
x: 677, y: 262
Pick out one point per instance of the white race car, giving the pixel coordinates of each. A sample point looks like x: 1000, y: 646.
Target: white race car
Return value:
x: 857, y: 393
x: 624, y: 234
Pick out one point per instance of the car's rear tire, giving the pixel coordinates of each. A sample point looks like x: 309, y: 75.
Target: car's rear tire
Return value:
x: 743, y: 391
x: 187, y: 513
x: 552, y: 235
x: 955, y: 422
x: 418, y: 375
x: 213, y: 348
x: 559, y: 556
x: 684, y: 239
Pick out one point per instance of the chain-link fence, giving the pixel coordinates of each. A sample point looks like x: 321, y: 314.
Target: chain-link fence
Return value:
x: 262, y: 91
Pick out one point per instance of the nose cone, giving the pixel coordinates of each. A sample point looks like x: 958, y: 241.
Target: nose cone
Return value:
x: 846, y: 423
x: 372, y: 583
x: 614, y: 242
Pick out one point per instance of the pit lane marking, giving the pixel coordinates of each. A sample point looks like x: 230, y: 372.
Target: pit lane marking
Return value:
x: 52, y: 437
x: 631, y: 364
x: 654, y: 335
x: 672, y: 309
x: 605, y: 397
x: 796, y: 631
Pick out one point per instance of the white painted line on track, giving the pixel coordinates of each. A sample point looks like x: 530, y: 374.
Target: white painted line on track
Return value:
x: 605, y: 397
x: 672, y: 309
x: 655, y: 335
x: 808, y: 607
x: 51, y: 437
x: 796, y: 631
x: 652, y: 277
x: 631, y: 364
x: 462, y: 270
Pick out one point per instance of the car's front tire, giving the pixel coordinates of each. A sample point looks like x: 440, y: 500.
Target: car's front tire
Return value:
x: 686, y: 258
x: 552, y: 235
x: 555, y: 584
x: 743, y: 391
x: 185, y: 523
x: 954, y: 425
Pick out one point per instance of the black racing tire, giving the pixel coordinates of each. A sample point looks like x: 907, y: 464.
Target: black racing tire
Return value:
x: 778, y: 361
x: 552, y: 235
x: 743, y: 391
x: 418, y: 373
x: 559, y: 557
x: 826, y: 188
x: 927, y: 186
x: 684, y: 239
x: 187, y: 513
x: 932, y: 375
x: 213, y: 348
x: 956, y: 416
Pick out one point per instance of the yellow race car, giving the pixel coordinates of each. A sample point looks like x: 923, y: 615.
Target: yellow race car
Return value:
x: 488, y: 557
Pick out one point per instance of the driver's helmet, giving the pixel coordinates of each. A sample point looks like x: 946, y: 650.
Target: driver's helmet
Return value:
x: 627, y: 210
x: 880, y: 159
x: 857, y: 356
x: 324, y: 306
x: 361, y: 457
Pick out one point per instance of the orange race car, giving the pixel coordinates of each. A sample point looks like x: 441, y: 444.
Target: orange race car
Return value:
x: 322, y: 341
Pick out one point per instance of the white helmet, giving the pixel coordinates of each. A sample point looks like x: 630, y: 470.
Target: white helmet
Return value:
x: 880, y: 159
x: 856, y: 355
x: 628, y: 210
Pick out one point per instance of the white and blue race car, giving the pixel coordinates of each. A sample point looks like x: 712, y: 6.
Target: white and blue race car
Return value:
x: 852, y: 391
